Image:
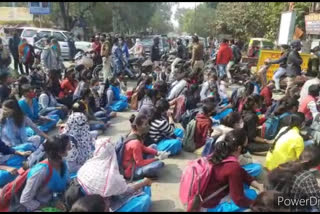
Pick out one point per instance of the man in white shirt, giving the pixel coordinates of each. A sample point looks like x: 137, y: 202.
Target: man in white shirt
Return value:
x: 305, y: 89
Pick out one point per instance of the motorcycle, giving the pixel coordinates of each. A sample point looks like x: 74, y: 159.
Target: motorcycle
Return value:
x: 240, y: 72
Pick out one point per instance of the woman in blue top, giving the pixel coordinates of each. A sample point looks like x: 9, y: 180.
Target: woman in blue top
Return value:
x: 116, y: 100
x: 47, y: 179
x: 30, y: 107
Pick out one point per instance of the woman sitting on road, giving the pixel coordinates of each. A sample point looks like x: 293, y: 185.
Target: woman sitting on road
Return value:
x: 138, y: 160
x: 295, y: 180
x: 82, y: 143
x: 288, y: 144
x: 30, y: 107
x: 227, y: 172
x: 41, y: 185
x: 162, y: 130
x: 257, y: 145
x: 50, y: 106
x: 100, y: 175
x: 116, y: 100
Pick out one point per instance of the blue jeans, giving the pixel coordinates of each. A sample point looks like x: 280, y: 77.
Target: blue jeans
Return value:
x: 222, y: 69
x: 277, y: 75
x: 102, y: 116
x: 150, y: 170
x: 95, y: 127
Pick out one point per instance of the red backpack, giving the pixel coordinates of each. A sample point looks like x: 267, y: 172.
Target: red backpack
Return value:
x: 194, y: 181
x: 10, y: 193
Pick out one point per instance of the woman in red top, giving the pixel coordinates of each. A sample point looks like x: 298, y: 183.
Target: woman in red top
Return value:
x: 227, y: 172
x: 138, y: 160
x: 69, y: 84
x: 204, y: 124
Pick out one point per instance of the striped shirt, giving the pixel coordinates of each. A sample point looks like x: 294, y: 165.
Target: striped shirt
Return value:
x: 160, y: 128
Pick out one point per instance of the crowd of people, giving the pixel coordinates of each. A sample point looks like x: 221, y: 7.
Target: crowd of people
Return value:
x: 75, y: 170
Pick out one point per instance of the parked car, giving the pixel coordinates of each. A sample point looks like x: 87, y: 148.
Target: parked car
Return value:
x: 29, y: 33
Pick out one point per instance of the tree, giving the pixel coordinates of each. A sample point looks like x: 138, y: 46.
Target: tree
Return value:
x: 160, y: 21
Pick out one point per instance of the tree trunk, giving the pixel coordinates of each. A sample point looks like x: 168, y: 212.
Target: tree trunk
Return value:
x: 64, y: 16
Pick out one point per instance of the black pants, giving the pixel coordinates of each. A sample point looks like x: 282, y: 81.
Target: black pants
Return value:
x: 258, y: 147
x: 16, y: 64
x: 27, y: 66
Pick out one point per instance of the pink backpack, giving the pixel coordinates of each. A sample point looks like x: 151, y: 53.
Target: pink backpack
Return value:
x: 194, y: 181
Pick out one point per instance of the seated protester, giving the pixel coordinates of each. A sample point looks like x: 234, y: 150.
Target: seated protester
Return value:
x: 14, y: 133
x: 53, y: 83
x: 192, y: 96
x: 90, y: 203
x: 30, y: 107
x: 222, y: 90
x: 146, y: 105
x: 266, y: 92
x: 308, y: 104
x: 11, y: 160
x: 116, y: 101
x: 265, y: 202
x: 257, y: 145
x: 69, y: 84
x: 240, y: 95
x: 162, y: 130
x: 228, y: 174
x: 289, y: 107
x: 37, y: 193
x: 82, y: 146
x: 296, y: 182
x: 161, y: 88
x: 4, y: 86
x: 50, y: 106
x: 98, y: 120
x: 100, y: 175
x: 138, y: 158
x: 84, y: 81
x: 209, y: 88
x: 288, y: 144
x: 204, y: 124
x: 178, y: 86
x: 23, y: 80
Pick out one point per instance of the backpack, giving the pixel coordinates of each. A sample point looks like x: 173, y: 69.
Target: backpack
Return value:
x: 209, y: 146
x: 10, y: 193
x: 194, y: 181
x: 188, y: 116
x: 188, y: 139
x: 271, y: 127
x: 120, y: 145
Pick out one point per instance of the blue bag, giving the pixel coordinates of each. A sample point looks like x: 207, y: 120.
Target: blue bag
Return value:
x: 208, y: 147
x: 141, y: 203
x: 174, y: 146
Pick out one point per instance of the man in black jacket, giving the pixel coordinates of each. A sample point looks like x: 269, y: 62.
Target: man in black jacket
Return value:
x: 181, y: 54
x: 282, y: 61
x: 293, y: 64
x: 155, y: 51
x: 13, y: 46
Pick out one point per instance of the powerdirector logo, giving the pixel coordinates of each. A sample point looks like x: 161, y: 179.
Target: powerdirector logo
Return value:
x: 292, y: 202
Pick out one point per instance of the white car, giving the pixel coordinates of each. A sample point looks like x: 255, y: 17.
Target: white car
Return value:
x: 29, y: 33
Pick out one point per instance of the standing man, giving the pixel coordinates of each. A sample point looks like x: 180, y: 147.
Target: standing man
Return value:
x: 197, y: 54
x: 293, y: 64
x: 106, y: 57
x: 180, y: 56
x: 96, y: 46
x: 236, y: 58
x: 155, y: 51
x: 14, y: 46
x: 223, y: 57
x: 72, y: 46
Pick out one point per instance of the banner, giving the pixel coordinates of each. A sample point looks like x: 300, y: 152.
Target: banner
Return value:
x: 286, y: 27
x: 39, y: 8
x: 312, y: 23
